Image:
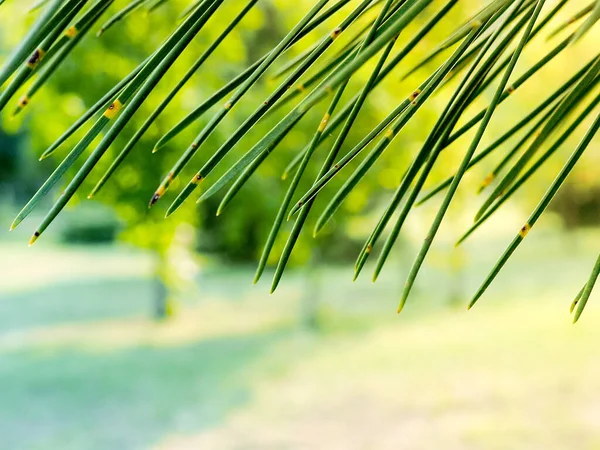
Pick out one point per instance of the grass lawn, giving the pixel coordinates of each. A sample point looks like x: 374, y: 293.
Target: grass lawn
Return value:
x: 82, y: 366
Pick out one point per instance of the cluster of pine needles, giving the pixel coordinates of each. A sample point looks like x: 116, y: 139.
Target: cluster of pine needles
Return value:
x: 481, y: 54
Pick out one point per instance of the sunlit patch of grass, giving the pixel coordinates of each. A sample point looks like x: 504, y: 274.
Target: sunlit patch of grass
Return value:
x: 32, y: 268
x: 501, y: 378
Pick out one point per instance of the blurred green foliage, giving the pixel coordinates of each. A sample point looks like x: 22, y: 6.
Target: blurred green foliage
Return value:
x: 240, y: 233
x: 99, y: 63
x: 90, y: 224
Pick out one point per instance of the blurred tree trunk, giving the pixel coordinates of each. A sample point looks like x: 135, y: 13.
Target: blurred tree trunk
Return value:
x: 176, y: 271
x: 311, y: 295
x: 456, y: 294
x: 267, y: 36
x: 160, y: 289
x: 458, y: 256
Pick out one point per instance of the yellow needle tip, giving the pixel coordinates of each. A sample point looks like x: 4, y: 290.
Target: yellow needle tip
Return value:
x: 34, y: 238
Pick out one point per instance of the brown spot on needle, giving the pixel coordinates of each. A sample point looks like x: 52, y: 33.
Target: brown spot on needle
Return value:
x: 525, y: 230
x: 35, y: 59
x: 113, y: 109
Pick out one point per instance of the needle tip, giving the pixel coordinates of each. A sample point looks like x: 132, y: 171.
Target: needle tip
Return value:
x: 153, y: 200
x: 170, y: 211
x: 34, y: 238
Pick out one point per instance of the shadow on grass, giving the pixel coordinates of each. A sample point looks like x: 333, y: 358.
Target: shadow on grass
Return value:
x: 126, y: 399
x: 76, y: 301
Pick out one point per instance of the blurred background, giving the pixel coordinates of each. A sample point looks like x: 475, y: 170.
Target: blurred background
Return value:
x: 120, y: 329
